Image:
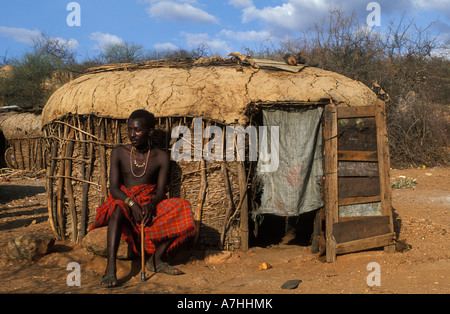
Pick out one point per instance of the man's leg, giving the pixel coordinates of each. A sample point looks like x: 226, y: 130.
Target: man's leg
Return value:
x: 113, y: 239
x: 160, y: 250
x: 161, y: 266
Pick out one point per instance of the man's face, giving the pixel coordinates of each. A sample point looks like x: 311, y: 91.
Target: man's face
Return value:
x: 138, y: 132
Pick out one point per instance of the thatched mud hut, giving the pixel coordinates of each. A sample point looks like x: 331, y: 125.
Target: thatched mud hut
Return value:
x: 328, y: 125
x: 22, y: 141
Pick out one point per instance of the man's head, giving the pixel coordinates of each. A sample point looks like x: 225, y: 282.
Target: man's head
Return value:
x: 141, y: 125
x: 148, y: 117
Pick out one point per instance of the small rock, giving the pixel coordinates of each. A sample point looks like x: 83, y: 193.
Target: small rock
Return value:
x: 264, y: 266
x: 29, y: 246
x: 291, y: 284
x: 95, y: 242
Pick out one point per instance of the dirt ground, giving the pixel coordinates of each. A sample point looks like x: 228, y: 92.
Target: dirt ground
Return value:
x: 422, y: 220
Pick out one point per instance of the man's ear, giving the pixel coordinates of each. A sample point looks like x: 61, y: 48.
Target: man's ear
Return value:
x: 151, y: 131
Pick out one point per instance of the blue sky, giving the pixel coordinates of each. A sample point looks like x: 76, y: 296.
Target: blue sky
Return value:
x: 224, y: 25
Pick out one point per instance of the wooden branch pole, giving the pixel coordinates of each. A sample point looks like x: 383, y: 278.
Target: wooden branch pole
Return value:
x: 49, y: 181
x: 103, y: 165
x: 331, y: 179
x: 230, y: 207
x: 21, y: 154
x: 69, y: 188
x: 84, y: 191
x: 202, y: 198
x: 60, y: 184
x: 29, y: 153
x: 142, y: 252
x: 86, y: 175
x: 242, y: 177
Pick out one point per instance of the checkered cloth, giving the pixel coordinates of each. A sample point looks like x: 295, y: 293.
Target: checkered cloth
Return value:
x: 174, y: 219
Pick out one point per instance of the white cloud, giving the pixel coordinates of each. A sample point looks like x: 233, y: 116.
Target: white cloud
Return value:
x: 165, y: 46
x: 216, y: 45
x: 296, y: 15
x: 71, y: 44
x: 180, y: 12
x: 30, y: 37
x: 21, y: 35
x: 292, y: 15
x: 241, y: 3
x: 246, y: 35
x: 104, y: 39
x: 433, y: 4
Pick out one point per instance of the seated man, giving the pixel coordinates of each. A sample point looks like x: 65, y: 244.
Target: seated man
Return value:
x: 138, y: 178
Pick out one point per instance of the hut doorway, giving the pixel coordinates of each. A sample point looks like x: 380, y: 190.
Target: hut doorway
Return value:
x: 348, y: 160
x: 287, y: 199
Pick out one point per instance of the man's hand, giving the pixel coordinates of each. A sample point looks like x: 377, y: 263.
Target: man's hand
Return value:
x: 148, y: 211
x: 137, y: 212
x: 144, y: 213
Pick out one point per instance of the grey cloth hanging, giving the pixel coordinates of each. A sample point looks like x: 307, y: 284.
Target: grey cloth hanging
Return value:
x: 294, y: 188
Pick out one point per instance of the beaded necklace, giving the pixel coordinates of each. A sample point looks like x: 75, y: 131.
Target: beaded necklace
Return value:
x: 132, y: 157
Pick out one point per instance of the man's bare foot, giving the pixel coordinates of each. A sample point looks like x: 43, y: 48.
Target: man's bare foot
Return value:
x: 109, y: 281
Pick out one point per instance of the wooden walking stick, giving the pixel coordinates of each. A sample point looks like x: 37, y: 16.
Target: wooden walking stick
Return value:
x: 142, y: 252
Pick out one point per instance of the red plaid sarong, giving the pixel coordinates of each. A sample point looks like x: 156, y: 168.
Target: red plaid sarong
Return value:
x: 173, y: 219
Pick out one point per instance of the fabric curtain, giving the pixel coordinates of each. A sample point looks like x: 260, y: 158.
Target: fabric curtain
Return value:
x: 294, y: 188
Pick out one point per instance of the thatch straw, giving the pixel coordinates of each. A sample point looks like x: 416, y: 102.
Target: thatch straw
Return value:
x: 217, y: 93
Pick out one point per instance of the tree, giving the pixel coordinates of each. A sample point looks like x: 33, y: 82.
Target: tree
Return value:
x: 25, y: 87
x: 403, y: 62
x: 124, y: 52
x: 58, y: 49
x: 36, y: 74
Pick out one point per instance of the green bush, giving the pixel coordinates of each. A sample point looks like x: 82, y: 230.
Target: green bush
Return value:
x: 25, y: 87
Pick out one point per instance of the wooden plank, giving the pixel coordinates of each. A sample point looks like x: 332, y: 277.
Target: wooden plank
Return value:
x: 359, y: 200
x: 358, y: 186
x: 331, y: 178
x: 359, y: 229
x: 355, y: 112
x: 344, y: 155
x: 384, y: 162
x: 365, y: 244
x: 344, y: 219
x: 357, y: 169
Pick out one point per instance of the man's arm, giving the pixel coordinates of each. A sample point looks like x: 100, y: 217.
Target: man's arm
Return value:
x: 114, y: 176
x: 115, y: 184
x: 162, y: 178
x: 164, y: 164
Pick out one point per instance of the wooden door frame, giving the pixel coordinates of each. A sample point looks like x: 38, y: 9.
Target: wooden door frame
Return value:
x: 363, y: 237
